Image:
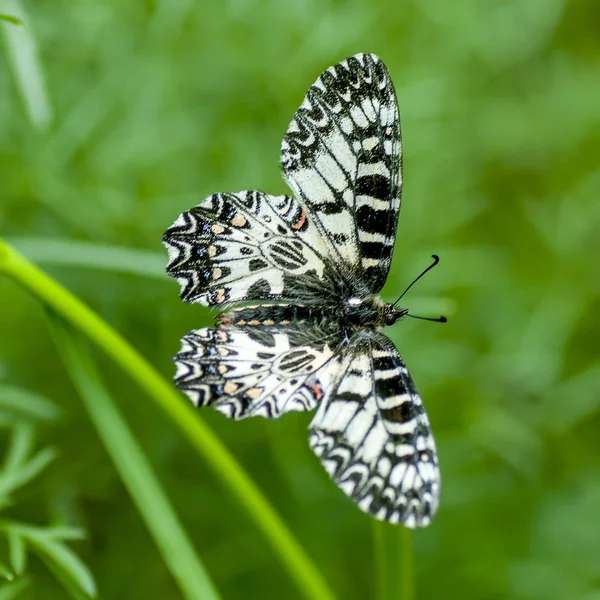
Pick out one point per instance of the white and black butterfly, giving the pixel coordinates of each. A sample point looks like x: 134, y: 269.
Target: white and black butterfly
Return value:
x: 313, y: 264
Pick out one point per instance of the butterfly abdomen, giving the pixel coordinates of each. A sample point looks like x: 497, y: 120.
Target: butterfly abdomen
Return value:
x: 273, y: 315
x: 354, y: 313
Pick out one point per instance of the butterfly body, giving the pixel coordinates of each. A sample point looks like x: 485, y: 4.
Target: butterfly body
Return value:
x: 308, y: 269
x: 352, y: 314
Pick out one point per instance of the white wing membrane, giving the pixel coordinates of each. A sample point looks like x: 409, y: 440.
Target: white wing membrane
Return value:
x: 373, y: 437
x: 246, y: 372
x: 341, y: 156
x: 244, y: 246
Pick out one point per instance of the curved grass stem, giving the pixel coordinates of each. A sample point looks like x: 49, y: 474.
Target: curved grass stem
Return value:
x: 227, y: 469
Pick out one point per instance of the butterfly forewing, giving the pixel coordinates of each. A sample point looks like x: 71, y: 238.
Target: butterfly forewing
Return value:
x: 244, y: 246
x: 342, y: 158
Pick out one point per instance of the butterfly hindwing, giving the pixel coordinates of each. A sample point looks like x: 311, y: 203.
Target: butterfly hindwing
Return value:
x: 244, y: 246
x: 373, y: 437
x: 254, y: 371
x: 342, y: 158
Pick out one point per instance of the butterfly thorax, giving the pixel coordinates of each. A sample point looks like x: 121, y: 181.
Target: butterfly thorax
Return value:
x: 371, y: 311
x: 354, y: 313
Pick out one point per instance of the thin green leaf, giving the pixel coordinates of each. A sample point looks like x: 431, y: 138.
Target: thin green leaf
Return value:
x: 17, y: 470
x: 135, y: 471
x: 36, y: 465
x: 299, y: 565
x: 5, y: 572
x: 381, y: 566
x: 59, y: 555
x: 20, y: 445
x: 10, y: 19
x: 26, y: 404
x: 394, y: 562
x: 88, y: 255
x: 27, y: 69
x: 17, y: 473
x: 12, y: 590
x: 64, y: 533
x: 17, y: 552
x: 72, y: 589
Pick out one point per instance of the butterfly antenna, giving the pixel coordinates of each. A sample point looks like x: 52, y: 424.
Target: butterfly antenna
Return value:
x: 441, y: 319
x: 436, y: 260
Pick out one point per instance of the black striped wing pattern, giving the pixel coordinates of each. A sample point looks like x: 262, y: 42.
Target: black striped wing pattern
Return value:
x: 312, y: 263
x: 342, y: 158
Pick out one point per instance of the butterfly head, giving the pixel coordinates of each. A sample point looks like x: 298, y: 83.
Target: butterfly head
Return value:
x: 391, y: 314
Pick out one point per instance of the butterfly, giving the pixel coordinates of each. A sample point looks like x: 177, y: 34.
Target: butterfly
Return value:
x: 311, y: 264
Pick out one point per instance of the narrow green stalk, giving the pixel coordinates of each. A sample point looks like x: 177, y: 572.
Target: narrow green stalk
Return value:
x: 394, y: 562
x: 134, y: 469
x: 381, y: 564
x: 407, y: 571
x: 295, y: 560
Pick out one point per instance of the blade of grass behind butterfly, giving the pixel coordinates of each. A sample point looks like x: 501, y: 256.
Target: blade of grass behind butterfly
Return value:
x: 88, y: 255
x: 134, y: 469
x: 393, y: 562
x: 24, y: 61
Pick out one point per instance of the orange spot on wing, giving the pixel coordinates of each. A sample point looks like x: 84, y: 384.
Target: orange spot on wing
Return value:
x: 224, y: 319
x: 300, y: 222
x: 238, y: 220
x: 318, y: 390
x: 230, y: 387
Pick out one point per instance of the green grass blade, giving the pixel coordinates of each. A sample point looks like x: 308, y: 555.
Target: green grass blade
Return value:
x: 93, y: 256
x: 135, y: 471
x: 10, y: 19
x: 64, y: 533
x: 24, y: 62
x: 292, y: 556
x: 26, y: 404
x: 16, y: 552
x: 394, y: 562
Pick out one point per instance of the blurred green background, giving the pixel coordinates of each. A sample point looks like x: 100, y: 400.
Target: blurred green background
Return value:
x: 134, y: 111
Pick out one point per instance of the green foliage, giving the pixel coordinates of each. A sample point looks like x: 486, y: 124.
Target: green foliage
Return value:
x: 20, y: 467
x: 113, y: 431
x: 136, y: 473
x: 118, y: 116
x: 10, y: 19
